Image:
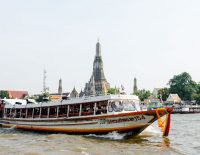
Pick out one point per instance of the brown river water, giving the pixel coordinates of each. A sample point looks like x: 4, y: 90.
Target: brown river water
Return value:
x: 184, y: 139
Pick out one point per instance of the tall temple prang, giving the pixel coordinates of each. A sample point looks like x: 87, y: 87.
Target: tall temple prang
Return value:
x: 60, y: 87
x: 97, y: 84
x: 135, y: 86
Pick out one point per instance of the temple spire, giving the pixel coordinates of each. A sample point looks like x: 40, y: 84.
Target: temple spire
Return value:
x: 60, y: 87
x: 97, y: 84
x: 98, y: 49
x: 135, y: 86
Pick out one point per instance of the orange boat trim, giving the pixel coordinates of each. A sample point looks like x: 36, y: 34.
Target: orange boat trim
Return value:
x: 75, y: 130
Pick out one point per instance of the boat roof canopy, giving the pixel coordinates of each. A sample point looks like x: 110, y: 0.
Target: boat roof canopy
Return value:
x: 17, y: 103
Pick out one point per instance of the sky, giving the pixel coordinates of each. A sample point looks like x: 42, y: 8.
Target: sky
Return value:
x: 150, y: 40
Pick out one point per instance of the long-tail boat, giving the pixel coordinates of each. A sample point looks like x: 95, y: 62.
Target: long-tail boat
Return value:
x: 85, y: 115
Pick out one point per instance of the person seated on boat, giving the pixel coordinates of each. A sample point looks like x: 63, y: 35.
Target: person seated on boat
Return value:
x: 98, y: 110
x: 104, y: 110
x: 117, y: 106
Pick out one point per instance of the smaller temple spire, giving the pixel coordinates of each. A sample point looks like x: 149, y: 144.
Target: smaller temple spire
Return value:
x: 60, y: 87
x: 135, y: 86
x: 74, y: 93
x: 44, y: 81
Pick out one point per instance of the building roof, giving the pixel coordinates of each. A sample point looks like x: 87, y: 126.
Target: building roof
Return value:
x: 174, y: 98
x: 74, y: 91
x: 16, y: 94
x: 57, y: 96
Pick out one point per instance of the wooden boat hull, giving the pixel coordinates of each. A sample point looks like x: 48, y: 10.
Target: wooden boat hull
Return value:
x: 132, y: 122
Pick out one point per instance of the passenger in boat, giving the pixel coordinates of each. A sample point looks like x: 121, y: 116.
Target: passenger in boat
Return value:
x: 87, y: 109
x: 101, y: 110
x: 13, y: 114
x: 117, y: 106
x: 97, y: 111
x: 104, y: 110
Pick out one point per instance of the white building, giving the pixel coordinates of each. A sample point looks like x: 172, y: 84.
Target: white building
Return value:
x: 155, y: 92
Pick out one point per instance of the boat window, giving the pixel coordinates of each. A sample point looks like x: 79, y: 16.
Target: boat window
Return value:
x: 129, y: 106
x: 17, y: 113
x: 74, y: 110
x: 137, y: 105
x: 62, y: 111
x: 12, y: 114
x: 110, y: 109
x: 29, y: 113
x: 8, y: 112
x: 101, y: 107
x: 87, y: 109
x: 117, y: 106
x: 23, y: 113
x: 44, y: 112
x: 36, y: 112
x: 53, y: 112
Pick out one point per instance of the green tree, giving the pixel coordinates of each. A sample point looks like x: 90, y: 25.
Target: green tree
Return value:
x: 43, y: 97
x: 164, y: 93
x: 113, y: 91
x: 183, y: 85
x: 4, y: 94
x: 196, y: 95
x: 143, y: 94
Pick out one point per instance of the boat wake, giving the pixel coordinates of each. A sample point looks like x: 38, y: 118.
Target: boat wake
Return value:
x: 151, y: 130
x: 8, y: 130
x: 112, y: 136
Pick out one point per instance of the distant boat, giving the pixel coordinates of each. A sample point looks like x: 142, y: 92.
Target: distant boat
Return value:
x: 186, y: 109
x: 85, y: 115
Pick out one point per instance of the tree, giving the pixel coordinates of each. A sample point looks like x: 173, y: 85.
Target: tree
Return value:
x: 4, y: 94
x: 43, y: 97
x: 143, y: 94
x: 163, y: 93
x: 113, y: 91
x: 183, y: 85
x: 196, y: 95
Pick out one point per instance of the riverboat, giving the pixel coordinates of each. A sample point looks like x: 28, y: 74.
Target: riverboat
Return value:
x: 85, y: 115
x: 186, y: 109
